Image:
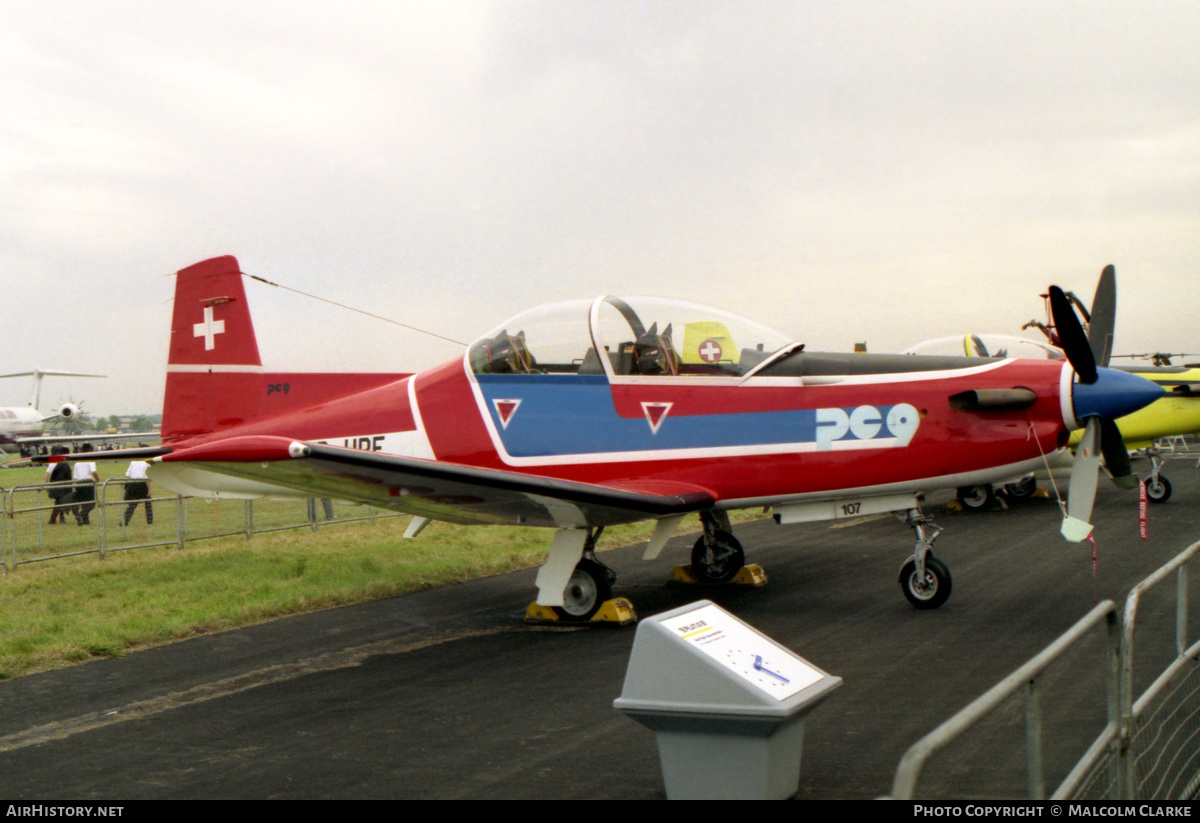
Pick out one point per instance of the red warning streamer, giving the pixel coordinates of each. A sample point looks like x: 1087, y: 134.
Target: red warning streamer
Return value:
x: 1143, y: 511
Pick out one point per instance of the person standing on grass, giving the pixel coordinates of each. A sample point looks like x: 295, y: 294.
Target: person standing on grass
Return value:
x: 61, y: 494
x: 137, y: 490
x: 86, y: 477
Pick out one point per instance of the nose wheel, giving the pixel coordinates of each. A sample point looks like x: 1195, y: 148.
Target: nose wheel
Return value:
x: 926, y: 589
x: 1158, y: 489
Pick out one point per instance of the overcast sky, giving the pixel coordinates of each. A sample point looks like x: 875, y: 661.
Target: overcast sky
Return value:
x: 883, y: 171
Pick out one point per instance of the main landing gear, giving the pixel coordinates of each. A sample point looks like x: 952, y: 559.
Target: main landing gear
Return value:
x: 985, y: 497
x: 924, y: 579
x: 976, y: 498
x: 717, y: 556
x: 575, y: 587
x: 589, y: 586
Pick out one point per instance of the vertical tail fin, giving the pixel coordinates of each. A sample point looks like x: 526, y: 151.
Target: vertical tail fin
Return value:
x: 212, y: 344
x: 211, y: 323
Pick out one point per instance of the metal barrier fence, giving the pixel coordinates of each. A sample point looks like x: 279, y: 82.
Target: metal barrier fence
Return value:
x: 1149, y: 749
x: 1158, y: 755
x: 35, y: 526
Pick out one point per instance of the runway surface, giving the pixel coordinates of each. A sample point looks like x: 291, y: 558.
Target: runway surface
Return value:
x: 448, y: 694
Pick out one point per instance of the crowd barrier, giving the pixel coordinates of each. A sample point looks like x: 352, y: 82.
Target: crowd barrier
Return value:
x: 55, y: 520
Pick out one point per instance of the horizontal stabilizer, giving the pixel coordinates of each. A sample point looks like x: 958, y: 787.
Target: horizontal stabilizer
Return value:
x: 141, y: 453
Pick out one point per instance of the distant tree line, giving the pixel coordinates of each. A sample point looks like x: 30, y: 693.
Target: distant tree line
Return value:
x: 84, y: 423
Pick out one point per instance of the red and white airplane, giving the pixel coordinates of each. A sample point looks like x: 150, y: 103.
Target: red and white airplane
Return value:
x: 580, y: 415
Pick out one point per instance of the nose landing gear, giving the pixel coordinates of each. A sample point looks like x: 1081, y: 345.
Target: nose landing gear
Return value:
x: 924, y: 579
x: 1158, y: 487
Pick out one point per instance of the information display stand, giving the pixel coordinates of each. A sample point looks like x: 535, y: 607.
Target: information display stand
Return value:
x: 726, y: 703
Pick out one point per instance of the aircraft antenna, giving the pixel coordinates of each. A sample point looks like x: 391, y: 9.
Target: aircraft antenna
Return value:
x: 360, y: 311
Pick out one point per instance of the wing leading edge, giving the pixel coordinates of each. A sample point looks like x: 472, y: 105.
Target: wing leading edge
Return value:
x: 431, y: 489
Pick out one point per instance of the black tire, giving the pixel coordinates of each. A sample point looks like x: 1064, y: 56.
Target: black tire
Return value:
x: 1158, y: 491
x: 934, y: 591
x: 717, y: 561
x: 585, y: 593
x: 1022, y: 488
x: 976, y: 498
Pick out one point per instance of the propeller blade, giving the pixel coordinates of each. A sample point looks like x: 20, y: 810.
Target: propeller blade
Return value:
x: 1104, y: 316
x: 1082, y: 490
x: 1116, y: 456
x: 1070, y: 335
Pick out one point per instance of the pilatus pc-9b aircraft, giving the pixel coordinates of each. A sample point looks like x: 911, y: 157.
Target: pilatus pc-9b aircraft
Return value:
x: 581, y: 415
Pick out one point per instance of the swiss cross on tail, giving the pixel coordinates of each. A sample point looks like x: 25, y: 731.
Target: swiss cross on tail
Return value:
x: 209, y: 329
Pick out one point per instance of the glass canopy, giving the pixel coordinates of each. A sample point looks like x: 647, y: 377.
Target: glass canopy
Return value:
x: 642, y: 336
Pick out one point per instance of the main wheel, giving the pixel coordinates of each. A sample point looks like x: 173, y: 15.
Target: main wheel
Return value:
x: 717, y: 560
x: 976, y: 498
x: 1158, y: 490
x: 931, y: 592
x: 1022, y: 488
x: 586, y: 591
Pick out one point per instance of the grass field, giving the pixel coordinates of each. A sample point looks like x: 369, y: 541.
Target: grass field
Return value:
x: 68, y: 610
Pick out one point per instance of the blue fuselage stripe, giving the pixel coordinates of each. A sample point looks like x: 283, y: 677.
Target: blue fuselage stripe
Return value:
x: 562, y: 415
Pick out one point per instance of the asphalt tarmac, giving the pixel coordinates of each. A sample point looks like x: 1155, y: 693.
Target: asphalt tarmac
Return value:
x: 448, y: 694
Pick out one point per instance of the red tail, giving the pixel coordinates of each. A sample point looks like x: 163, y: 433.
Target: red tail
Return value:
x: 215, y: 379
x: 211, y: 323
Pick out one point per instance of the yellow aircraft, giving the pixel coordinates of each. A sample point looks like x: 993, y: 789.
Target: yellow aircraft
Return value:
x: 1175, y: 413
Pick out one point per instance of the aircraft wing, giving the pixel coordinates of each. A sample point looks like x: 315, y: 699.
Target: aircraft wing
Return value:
x: 428, y: 488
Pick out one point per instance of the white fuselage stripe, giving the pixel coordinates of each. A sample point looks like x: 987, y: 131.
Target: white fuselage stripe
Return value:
x: 222, y: 368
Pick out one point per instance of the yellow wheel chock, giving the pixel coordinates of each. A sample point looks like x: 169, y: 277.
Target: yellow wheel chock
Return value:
x: 618, y: 611
x: 749, y: 575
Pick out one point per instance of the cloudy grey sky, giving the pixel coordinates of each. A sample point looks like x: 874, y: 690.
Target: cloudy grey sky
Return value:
x: 885, y: 171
